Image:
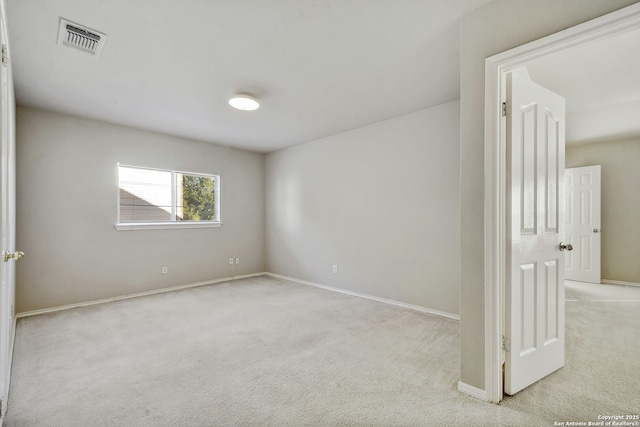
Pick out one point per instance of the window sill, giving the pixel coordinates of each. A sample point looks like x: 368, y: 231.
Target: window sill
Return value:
x: 165, y: 225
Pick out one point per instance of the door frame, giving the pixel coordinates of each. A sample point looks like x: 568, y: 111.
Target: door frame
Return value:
x: 612, y: 24
x: 9, y: 175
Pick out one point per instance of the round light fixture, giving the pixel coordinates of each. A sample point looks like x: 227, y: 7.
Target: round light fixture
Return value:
x: 244, y: 102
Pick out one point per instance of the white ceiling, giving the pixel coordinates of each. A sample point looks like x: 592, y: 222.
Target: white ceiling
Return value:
x: 320, y: 67
x: 601, y: 84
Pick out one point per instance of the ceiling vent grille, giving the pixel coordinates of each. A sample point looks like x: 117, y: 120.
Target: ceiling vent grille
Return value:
x: 80, y: 38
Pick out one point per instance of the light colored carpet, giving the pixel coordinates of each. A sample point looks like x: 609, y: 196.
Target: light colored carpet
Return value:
x: 602, y: 358
x: 264, y: 351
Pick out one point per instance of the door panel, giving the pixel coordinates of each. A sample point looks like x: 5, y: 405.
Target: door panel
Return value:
x: 5, y: 321
x: 534, y: 327
x: 7, y: 213
x: 551, y: 298
x: 583, y: 188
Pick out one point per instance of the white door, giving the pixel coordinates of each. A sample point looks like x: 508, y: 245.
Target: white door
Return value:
x: 534, y: 297
x: 7, y: 214
x: 583, y: 223
x: 5, y: 321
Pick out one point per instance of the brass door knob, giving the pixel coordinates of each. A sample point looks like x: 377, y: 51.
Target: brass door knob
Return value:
x: 18, y: 255
x: 567, y: 246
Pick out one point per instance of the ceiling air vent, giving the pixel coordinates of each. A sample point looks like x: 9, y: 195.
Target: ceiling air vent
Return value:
x: 81, y: 38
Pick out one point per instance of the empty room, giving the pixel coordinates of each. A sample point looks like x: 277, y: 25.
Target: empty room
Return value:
x: 319, y: 212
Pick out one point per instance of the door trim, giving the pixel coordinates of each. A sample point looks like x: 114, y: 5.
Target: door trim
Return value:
x: 615, y: 23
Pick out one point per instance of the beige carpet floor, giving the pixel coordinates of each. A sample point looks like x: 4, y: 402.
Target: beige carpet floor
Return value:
x: 602, y: 359
x: 264, y: 351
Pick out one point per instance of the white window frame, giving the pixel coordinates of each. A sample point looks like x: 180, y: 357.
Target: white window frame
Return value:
x: 164, y: 225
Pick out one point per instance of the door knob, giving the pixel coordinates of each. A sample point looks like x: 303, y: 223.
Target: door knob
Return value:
x: 18, y: 255
x: 595, y: 230
x: 567, y: 246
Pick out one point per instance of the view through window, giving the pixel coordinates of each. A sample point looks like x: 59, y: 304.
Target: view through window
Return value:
x: 156, y: 196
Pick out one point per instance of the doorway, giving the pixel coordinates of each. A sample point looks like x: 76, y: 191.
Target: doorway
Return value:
x: 611, y: 25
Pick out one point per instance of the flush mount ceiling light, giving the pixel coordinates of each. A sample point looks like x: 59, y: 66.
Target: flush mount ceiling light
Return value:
x: 244, y: 102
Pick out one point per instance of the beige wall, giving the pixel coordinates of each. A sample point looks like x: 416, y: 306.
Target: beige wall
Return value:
x: 380, y: 201
x: 66, y: 209
x: 620, y: 258
x: 491, y: 29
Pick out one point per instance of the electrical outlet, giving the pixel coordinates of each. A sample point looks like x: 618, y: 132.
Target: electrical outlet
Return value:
x: 237, y: 260
x: 165, y: 269
x: 335, y: 269
x: 230, y: 261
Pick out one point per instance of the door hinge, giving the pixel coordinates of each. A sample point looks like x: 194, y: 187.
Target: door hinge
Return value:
x: 5, y: 56
x: 506, y: 343
x: 505, y: 109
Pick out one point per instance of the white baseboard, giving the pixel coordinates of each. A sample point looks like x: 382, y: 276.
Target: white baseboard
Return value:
x: 472, y: 391
x: 618, y: 282
x: 136, y: 295
x: 370, y: 297
x: 226, y: 279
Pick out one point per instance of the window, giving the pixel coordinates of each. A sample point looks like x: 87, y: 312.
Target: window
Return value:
x: 156, y: 198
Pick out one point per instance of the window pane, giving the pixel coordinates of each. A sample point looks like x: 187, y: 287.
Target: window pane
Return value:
x: 162, y: 196
x: 195, y: 198
x: 145, y: 195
